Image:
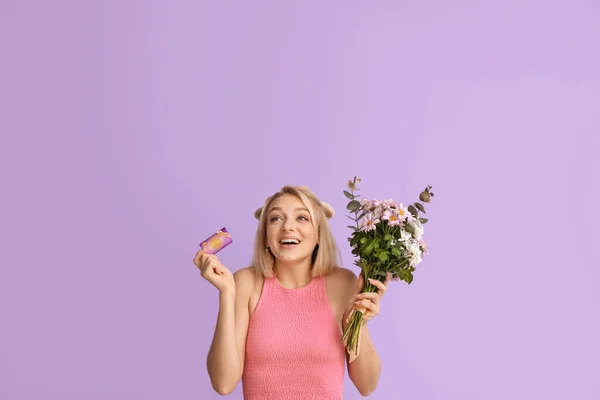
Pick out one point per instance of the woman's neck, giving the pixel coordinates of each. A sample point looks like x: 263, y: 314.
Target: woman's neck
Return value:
x: 293, y: 276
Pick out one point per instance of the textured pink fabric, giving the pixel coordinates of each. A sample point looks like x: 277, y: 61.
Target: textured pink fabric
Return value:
x: 293, y: 349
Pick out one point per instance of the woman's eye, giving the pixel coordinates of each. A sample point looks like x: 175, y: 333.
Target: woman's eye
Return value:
x: 275, y: 218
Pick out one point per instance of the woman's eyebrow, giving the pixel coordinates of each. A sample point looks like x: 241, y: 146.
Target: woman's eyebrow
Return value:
x: 279, y: 209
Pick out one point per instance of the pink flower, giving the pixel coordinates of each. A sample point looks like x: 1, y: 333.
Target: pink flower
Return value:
x: 366, y: 204
x: 423, y: 246
x: 388, y: 204
x: 392, y: 217
x: 403, y: 213
x: 368, y: 222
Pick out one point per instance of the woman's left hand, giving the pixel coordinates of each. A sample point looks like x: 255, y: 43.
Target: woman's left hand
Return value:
x: 368, y: 303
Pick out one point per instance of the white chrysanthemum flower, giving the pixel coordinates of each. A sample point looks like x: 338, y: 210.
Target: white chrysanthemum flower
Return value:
x: 419, y: 228
x: 404, y: 236
x: 414, y: 252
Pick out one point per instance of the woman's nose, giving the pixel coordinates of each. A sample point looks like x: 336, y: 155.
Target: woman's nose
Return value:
x: 288, y: 225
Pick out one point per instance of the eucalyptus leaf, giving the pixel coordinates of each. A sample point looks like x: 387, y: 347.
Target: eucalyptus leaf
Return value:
x: 413, y: 211
x: 349, y: 195
x: 420, y: 207
x: 353, y: 206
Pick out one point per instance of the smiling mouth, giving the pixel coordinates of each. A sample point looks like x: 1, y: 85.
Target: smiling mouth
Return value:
x: 289, y: 242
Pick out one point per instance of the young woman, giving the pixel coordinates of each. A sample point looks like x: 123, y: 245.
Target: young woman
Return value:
x: 281, y: 320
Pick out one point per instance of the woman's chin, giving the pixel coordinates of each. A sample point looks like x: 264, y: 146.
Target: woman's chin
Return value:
x: 291, y: 258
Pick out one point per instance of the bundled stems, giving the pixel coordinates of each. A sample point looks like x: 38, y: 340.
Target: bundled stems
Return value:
x: 351, y: 334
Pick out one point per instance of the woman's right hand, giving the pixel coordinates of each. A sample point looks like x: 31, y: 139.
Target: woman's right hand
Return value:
x: 213, y: 271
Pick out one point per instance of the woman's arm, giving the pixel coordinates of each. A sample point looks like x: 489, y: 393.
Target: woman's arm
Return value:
x: 225, y: 360
x: 365, y: 370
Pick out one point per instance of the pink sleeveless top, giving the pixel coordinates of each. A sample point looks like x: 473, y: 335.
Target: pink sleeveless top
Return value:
x: 293, y: 348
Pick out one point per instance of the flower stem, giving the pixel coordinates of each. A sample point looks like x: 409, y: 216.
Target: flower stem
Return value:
x: 352, y: 333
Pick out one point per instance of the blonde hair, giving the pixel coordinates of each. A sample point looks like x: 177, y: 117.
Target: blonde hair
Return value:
x: 326, y: 258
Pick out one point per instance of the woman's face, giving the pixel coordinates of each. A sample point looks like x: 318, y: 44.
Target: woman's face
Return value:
x: 290, y: 232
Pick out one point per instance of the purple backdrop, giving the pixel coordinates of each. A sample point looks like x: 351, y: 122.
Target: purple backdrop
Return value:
x: 133, y: 130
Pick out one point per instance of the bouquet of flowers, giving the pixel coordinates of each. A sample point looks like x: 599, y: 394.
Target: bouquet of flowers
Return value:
x: 387, y: 239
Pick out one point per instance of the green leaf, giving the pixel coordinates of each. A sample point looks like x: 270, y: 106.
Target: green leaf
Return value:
x: 420, y: 207
x: 349, y: 195
x: 388, y: 237
x: 413, y: 211
x: 409, y: 228
x: 383, y: 256
x: 353, y: 206
x: 423, y: 220
x: 370, y: 247
x: 352, y: 227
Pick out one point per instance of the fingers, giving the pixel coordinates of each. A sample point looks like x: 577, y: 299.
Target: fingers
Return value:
x: 379, y: 285
x: 197, y: 257
x: 208, y: 264
x: 368, y: 304
x: 374, y: 297
x: 368, y: 308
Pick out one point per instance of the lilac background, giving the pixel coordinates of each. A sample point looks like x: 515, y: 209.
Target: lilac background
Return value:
x: 133, y: 130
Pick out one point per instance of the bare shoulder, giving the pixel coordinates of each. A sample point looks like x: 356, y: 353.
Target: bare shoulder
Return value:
x: 343, y: 278
x: 245, y: 279
x: 341, y: 283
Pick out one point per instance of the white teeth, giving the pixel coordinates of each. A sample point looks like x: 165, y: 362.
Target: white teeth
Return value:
x: 290, y: 241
